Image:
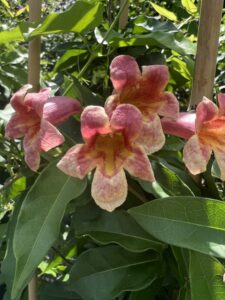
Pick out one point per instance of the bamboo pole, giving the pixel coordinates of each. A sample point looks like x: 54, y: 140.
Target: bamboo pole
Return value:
x: 34, y: 47
x: 207, y: 48
x: 124, y: 16
x: 34, y: 79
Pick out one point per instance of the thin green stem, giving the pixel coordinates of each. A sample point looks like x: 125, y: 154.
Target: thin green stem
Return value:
x: 94, y: 55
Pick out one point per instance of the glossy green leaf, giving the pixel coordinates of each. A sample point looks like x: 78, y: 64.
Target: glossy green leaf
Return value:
x: 104, y: 273
x: 206, y: 277
x: 164, y: 12
x: 84, y: 15
x: 39, y: 220
x: 116, y: 227
x: 189, y: 222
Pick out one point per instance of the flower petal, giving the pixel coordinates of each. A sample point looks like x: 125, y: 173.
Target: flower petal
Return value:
x: 36, y: 101
x: 17, y: 100
x: 206, y: 111
x: 50, y: 137
x: 156, y: 76
x: 220, y: 158
x: 16, y: 127
x: 77, y: 162
x: 221, y: 100
x: 94, y: 120
x: 109, y: 193
x: 111, y: 103
x: 124, y: 72
x: 32, y: 149
x: 128, y: 119
x: 169, y: 106
x: 183, y: 126
x: 58, y: 109
x: 196, y: 155
x: 152, y: 137
x: 138, y: 165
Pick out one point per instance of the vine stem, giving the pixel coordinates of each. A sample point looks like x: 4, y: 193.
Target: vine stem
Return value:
x: 34, y: 79
x: 95, y: 54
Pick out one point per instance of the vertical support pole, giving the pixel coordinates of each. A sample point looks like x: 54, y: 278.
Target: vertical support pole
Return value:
x: 124, y: 16
x: 207, y: 48
x: 33, y: 79
x: 34, y: 47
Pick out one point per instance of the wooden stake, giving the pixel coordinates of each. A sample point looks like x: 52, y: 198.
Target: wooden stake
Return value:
x: 124, y: 16
x: 207, y: 48
x: 34, y: 47
x: 32, y: 288
x: 33, y: 79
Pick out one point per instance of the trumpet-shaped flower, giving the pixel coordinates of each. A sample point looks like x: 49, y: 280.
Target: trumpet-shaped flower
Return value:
x: 183, y: 126
x: 209, y: 136
x: 145, y: 91
x: 35, y: 114
x: 110, y: 146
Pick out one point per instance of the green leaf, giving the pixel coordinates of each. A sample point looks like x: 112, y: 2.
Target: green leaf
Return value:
x: 104, y: 273
x: 116, y: 227
x: 189, y: 222
x: 206, y: 277
x: 164, y: 12
x: 67, y: 60
x: 85, y: 95
x: 56, y: 291
x: 84, y: 15
x: 172, y: 40
x: 12, y: 35
x: 39, y: 221
x: 9, y: 263
x: 169, y: 181
x: 148, y: 293
x: 190, y: 7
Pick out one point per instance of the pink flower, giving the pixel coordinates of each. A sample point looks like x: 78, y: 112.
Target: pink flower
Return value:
x: 209, y: 136
x: 33, y: 118
x: 183, y: 126
x: 146, y: 91
x: 110, y: 146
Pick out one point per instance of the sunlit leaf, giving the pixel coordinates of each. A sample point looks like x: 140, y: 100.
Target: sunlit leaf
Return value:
x: 164, y: 12
x: 206, y: 277
x: 190, y: 7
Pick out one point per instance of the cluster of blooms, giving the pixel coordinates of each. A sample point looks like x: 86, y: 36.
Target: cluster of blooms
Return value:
x: 122, y: 134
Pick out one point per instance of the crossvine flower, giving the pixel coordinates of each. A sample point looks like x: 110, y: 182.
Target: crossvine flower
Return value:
x: 145, y: 91
x: 34, y: 117
x: 205, y: 132
x: 110, y: 147
x: 183, y: 126
x: 209, y: 136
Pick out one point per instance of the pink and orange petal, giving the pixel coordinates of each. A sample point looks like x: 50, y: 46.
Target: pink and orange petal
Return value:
x: 110, y: 146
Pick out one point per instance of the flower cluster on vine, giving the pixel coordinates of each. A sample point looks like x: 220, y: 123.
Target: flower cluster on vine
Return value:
x: 120, y: 135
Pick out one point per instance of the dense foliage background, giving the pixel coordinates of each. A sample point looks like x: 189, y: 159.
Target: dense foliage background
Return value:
x: 163, y: 249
